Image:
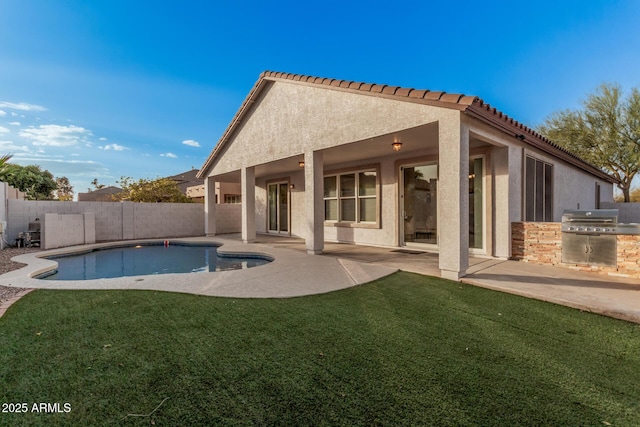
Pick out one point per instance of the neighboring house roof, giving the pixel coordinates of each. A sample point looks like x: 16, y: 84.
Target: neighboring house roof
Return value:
x: 103, y: 194
x: 471, y: 105
x: 187, y: 179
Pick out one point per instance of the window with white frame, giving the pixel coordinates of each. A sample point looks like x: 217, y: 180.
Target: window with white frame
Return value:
x: 351, y: 197
x: 232, y: 198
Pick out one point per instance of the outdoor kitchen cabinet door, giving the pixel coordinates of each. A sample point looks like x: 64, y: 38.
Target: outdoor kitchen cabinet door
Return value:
x: 589, y: 249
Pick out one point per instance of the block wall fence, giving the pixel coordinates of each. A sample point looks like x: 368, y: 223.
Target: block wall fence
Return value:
x: 228, y: 218
x: 541, y: 243
x: 113, y: 220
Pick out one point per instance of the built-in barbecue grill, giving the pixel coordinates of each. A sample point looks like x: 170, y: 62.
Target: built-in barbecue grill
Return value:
x: 589, y: 237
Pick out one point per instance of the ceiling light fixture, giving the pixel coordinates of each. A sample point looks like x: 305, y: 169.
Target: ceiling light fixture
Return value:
x: 397, y: 145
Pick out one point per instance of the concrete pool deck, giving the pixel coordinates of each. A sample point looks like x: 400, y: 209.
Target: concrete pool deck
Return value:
x: 291, y: 274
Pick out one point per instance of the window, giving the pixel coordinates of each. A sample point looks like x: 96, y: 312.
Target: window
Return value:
x: 351, y: 197
x: 232, y: 198
x: 538, y: 190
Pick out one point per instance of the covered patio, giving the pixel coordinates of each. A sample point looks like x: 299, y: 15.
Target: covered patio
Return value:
x: 336, y: 161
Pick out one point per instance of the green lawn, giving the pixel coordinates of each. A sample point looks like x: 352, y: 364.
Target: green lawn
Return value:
x: 404, y: 350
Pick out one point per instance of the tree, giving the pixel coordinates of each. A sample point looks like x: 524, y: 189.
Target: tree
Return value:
x: 64, y: 189
x: 160, y: 190
x: 634, y: 196
x: 4, y: 161
x: 605, y: 133
x: 96, y: 185
x: 32, y: 180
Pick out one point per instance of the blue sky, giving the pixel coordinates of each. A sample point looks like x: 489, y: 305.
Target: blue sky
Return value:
x: 104, y: 89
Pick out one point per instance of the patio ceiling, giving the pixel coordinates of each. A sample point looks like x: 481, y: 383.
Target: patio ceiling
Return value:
x: 420, y: 139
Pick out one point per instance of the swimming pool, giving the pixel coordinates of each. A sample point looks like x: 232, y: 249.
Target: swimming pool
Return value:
x: 147, y: 260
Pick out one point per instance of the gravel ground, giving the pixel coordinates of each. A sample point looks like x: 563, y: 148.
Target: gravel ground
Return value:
x: 7, y: 265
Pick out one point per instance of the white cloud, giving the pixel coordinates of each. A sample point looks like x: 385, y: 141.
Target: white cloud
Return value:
x: 171, y: 155
x: 56, y: 135
x: 14, y: 123
x: 3, y: 113
x: 9, y: 146
x: 23, y: 106
x: 102, y: 139
x: 4, y: 130
x: 191, y: 143
x: 114, y: 147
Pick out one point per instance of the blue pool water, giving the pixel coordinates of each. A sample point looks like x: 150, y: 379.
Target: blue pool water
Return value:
x: 144, y: 260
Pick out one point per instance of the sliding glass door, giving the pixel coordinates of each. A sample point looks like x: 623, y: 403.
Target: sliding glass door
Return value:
x: 420, y: 203
x: 278, y: 212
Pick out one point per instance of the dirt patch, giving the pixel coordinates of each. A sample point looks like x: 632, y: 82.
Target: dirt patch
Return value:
x: 7, y: 265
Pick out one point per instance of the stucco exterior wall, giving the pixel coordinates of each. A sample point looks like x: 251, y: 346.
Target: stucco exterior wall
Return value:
x: 290, y: 119
x: 387, y: 234
x: 572, y: 187
x: 227, y: 188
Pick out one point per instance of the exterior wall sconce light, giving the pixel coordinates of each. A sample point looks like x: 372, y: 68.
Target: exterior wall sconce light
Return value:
x: 396, y: 146
x: 291, y: 186
x: 301, y: 163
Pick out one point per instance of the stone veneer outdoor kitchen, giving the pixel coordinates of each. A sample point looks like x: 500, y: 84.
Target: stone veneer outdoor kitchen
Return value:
x: 541, y: 243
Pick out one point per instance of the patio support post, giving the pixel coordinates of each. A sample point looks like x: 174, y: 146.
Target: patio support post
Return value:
x: 453, y: 197
x: 314, y: 201
x: 503, y: 170
x: 248, y: 190
x: 210, y: 206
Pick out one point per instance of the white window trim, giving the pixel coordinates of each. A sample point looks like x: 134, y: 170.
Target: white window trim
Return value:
x: 357, y: 223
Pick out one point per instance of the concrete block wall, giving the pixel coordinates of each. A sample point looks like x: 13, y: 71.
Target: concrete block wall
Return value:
x: 157, y: 220
x: 541, y: 243
x: 627, y: 212
x: 60, y: 230
x: 114, y: 221
x: 228, y: 218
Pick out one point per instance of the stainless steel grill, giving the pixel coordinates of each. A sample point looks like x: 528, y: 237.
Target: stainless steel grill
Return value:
x: 588, y: 237
x: 602, y: 221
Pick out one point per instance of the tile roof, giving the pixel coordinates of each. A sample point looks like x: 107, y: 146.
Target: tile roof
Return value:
x: 470, y: 105
x: 187, y: 179
x: 456, y: 101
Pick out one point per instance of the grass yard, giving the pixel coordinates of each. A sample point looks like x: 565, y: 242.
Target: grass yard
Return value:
x: 404, y: 350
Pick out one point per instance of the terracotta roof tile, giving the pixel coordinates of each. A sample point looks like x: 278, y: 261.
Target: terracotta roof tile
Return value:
x: 390, y: 90
x: 418, y: 93
x: 467, y: 100
x: 366, y: 87
x: 335, y: 82
x: 434, y: 96
x: 451, y: 97
x: 403, y: 91
x: 377, y: 88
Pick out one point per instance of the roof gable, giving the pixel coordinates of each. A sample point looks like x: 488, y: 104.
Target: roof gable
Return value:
x: 470, y: 105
